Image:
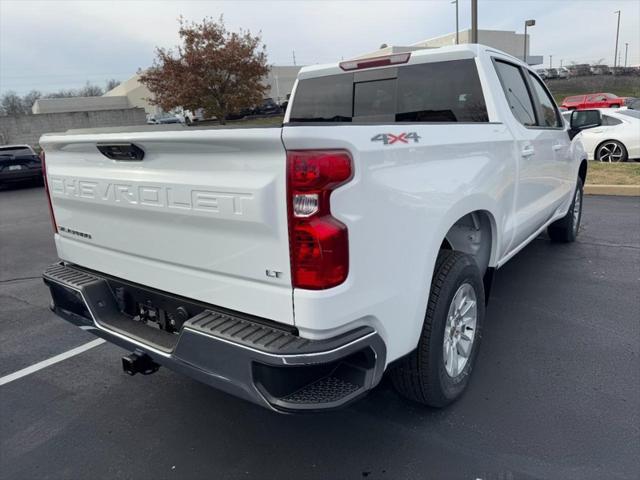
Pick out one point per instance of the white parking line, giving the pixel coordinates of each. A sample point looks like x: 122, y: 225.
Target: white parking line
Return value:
x: 50, y: 361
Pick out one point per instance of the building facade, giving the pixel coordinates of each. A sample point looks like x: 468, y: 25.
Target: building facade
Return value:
x: 279, y: 81
x: 508, y: 41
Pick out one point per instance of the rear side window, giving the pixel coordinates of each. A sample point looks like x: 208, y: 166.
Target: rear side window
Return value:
x: 16, y: 151
x: 574, y: 99
x: 549, y: 112
x: 441, y: 92
x: 610, y: 121
x: 429, y: 92
x: 516, y: 91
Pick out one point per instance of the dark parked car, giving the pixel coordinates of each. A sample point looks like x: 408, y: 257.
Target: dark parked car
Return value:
x: 268, y: 107
x: 19, y: 163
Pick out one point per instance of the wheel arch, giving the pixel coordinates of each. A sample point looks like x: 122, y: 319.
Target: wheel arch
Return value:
x: 475, y: 233
x: 582, y: 171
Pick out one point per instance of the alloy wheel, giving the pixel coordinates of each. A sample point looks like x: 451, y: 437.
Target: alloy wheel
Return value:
x: 460, y: 330
x: 610, y: 152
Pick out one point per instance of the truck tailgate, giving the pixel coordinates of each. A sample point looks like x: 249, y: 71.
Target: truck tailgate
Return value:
x: 203, y: 215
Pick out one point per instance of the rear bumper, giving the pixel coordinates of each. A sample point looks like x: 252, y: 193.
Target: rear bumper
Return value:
x: 241, y: 355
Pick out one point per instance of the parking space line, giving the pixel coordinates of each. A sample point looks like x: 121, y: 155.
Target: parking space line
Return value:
x: 50, y: 361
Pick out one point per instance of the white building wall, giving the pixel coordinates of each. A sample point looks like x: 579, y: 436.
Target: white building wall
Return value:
x: 507, y: 41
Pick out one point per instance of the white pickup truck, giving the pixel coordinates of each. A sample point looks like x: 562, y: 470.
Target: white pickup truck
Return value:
x: 292, y: 266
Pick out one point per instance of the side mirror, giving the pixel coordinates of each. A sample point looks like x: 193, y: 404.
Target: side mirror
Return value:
x: 584, y: 119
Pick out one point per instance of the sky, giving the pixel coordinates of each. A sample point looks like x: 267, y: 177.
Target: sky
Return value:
x: 50, y: 45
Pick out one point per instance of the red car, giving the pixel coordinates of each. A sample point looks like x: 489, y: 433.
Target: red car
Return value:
x: 593, y: 100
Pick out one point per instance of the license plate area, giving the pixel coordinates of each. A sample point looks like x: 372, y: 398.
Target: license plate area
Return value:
x: 152, y: 309
x: 15, y: 167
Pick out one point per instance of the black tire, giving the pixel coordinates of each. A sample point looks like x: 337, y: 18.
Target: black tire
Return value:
x: 421, y: 376
x: 609, y: 143
x: 566, y: 229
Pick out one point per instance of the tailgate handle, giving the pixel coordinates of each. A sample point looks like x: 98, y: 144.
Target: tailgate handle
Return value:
x: 121, y: 151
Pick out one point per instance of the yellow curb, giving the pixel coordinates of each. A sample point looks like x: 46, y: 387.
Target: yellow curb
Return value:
x: 626, y: 190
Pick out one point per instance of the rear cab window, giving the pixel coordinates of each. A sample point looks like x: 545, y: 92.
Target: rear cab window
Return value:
x: 448, y: 91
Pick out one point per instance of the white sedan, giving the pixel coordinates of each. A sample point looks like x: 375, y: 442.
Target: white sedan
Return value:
x: 616, y: 140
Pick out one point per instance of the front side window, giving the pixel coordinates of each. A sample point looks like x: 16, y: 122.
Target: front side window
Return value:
x: 549, y: 112
x: 427, y: 92
x: 516, y: 92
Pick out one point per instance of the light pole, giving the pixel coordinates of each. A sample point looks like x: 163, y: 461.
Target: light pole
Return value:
x: 615, y: 57
x: 626, y: 50
x: 527, y: 23
x: 457, y: 24
x: 474, y: 21
x: 550, y: 61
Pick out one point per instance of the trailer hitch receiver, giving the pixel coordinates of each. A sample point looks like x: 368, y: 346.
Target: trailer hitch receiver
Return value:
x: 139, y: 363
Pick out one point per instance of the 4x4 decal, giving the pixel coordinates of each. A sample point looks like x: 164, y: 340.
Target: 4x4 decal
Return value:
x: 390, y: 138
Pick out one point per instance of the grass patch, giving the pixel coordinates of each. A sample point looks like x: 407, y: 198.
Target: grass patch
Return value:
x: 599, y: 173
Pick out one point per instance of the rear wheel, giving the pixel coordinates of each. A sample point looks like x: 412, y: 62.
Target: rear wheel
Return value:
x: 437, y: 372
x: 611, y: 151
x: 566, y: 229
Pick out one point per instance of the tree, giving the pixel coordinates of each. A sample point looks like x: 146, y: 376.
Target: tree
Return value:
x: 111, y: 84
x: 213, y: 69
x: 11, y: 104
x: 29, y: 99
x: 90, y: 90
x: 62, y: 94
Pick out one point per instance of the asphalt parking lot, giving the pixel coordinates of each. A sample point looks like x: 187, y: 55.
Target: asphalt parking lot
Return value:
x: 555, y: 394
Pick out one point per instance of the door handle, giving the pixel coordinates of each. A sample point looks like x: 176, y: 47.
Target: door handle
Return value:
x: 527, y: 151
x: 557, y: 147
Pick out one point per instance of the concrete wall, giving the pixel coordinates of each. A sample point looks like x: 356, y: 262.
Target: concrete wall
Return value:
x: 27, y: 129
x: 79, y: 104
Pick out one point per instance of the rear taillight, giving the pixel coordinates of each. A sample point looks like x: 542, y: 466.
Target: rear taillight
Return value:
x: 46, y: 189
x: 318, y: 243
